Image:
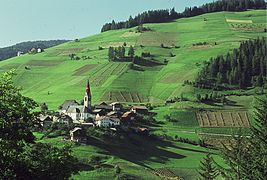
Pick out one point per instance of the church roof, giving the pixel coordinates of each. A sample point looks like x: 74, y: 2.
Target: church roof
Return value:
x: 77, y: 109
x: 68, y: 103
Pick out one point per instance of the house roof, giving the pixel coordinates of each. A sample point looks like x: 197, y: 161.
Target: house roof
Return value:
x: 45, y: 118
x: 68, y: 103
x: 126, y: 114
x: 140, y: 107
x: 115, y: 103
x: 75, y: 129
x: 100, y: 118
x: 106, y: 107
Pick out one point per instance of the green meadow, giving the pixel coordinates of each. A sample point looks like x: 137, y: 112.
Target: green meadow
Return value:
x: 52, y: 77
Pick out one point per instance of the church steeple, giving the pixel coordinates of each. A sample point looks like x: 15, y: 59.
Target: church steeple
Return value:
x: 87, y: 97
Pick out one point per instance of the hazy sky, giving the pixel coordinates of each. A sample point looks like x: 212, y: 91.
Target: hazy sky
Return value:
x: 23, y: 20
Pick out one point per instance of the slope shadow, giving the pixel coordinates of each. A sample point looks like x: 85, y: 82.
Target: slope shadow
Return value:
x: 138, y: 149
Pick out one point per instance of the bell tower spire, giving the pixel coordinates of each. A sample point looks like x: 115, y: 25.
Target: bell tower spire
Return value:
x: 87, y: 97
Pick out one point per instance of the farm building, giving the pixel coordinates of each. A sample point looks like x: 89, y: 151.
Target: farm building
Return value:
x: 19, y: 53
x: 104, y: 106
x: 64, y: 119
x: 78, y: 135
x: 128, y: 116
x: 139, y: 109
x: 46, y: 120
x: 105, y: 121
x: 116, y: 106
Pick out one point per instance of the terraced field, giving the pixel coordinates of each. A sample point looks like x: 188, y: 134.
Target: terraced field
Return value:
x: 223, y: 119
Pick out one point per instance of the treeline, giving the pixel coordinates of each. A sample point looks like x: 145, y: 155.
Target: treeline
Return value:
x: 245, y: 67
x: 160, y: 16
x: 119, y: 53
x: 11, y: 51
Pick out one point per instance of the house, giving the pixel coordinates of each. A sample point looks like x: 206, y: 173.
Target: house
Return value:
x: 105, y: 121
x: 116, y: 106
x: 19, y: 53
x: 101, y: 112
x: 65, y: 106
x: 104, y: 106
x: 128, y: 116
x: 46, y: 121
x: 78, y: 135
x: 64, y: 119
x: 140, y: 109
x: 39, y: 50
x: 115, y: 114
x: 142, y: 131
x: 33, y: 51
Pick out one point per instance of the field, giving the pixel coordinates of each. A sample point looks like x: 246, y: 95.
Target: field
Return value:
x: 223, y: 119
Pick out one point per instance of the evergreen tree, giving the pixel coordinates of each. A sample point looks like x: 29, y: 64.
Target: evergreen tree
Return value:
x: 131, y: 52
x: 207, y: 170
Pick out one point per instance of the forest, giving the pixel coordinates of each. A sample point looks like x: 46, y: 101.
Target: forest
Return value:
x: 245, y: 67
x: 160, y: 16
x: 11, y: 51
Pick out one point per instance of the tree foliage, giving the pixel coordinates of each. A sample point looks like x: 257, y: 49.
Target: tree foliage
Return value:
x: 21, y: 157
x: 247, y: 157
x: 245, y: 67
x: 159, y: 16
x: 207, y: 169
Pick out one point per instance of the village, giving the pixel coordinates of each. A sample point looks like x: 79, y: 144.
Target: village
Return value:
x: 85, y: 115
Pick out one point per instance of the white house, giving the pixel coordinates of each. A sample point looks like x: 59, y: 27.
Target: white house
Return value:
x: 105, y: 121
x: 39, y: 50
x: 19, y: 53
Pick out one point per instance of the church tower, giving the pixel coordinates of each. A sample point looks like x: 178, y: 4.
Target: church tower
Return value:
x: 87, y: 98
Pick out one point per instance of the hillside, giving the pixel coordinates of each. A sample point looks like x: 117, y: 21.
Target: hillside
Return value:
x: 11, y: 51
x: 52, y: 76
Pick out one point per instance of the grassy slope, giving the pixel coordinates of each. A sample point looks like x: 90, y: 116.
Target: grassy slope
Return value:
x: 53, y: 71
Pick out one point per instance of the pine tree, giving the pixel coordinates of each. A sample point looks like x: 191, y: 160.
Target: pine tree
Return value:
x: 207, y: 170
x: 131, y: 52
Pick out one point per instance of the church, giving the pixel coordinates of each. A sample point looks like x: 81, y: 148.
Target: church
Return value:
x: 79, y: 113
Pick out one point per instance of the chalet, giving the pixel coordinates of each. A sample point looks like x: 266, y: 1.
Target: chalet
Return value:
x: 101, y: 112
x: 140, y: 109
x: 142, y: 131
x: 128, y: 116
x: 115, y: 114
x: 19, y: 53
x: 116, y: 106
x: 64, y: 119
x: 39, y: 50
x: 46, y: 121
x: 78, y: 135
x: 105, y: 121
x: 104, y: 106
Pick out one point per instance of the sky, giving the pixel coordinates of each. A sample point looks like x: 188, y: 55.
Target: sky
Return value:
x: 28, y: 20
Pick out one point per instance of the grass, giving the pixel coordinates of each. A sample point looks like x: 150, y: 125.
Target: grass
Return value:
x: 52, y: 71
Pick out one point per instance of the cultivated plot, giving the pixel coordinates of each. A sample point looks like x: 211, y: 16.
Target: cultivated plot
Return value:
x: 223, y: 119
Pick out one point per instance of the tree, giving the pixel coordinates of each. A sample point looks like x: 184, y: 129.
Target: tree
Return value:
x: 20, y: 158
x: 44, y: 108
x: 131, y: 52
x: 247, y: 157
x: 208, y: 170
